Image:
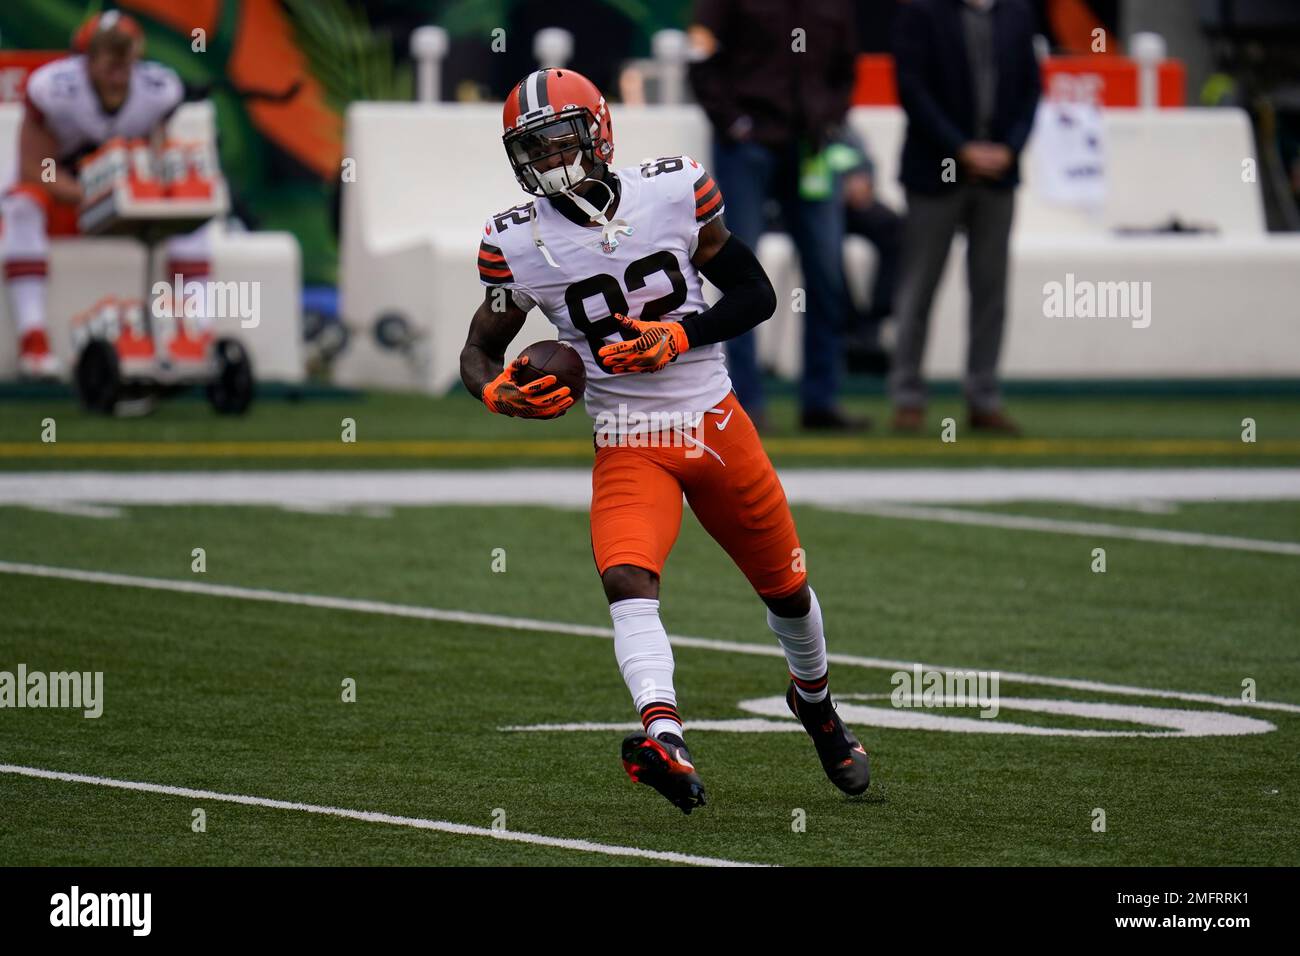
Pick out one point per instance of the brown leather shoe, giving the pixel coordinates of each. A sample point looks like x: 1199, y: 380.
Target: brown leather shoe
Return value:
x: 995, y: 421
x: 910, y: 420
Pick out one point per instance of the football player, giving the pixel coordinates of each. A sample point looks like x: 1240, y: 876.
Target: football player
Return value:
x: 614, y: 258
x: 73, y: 106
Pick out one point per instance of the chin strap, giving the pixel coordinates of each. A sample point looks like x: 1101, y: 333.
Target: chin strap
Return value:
x: 537, y: 239
x: 609, y: 229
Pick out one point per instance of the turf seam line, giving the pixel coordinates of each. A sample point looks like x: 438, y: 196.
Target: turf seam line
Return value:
x: 371, y: 816
x: 585, y: 630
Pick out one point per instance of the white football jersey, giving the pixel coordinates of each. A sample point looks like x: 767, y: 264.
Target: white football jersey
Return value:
x: 648, y: 276
x: 61, y: 92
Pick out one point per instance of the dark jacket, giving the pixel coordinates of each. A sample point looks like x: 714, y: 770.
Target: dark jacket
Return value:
x: 786, y: 94
x: 934, y: 86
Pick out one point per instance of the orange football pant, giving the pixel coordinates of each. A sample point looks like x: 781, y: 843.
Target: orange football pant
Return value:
x: 726, y: 478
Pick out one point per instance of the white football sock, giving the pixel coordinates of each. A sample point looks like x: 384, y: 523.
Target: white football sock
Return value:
x: 804, y: 643
x: 645, y: 658
x: 24, y: 250
x: 27, y: 296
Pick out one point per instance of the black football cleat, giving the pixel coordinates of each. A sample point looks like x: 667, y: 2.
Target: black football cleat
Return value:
x: 666, y: 766
x: 843, y: 758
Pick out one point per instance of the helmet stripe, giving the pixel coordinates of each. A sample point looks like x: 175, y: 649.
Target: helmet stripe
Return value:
x: 523, y: 95
x: 532, y: 92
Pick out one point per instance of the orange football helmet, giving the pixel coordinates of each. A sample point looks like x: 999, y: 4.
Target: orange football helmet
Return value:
x: 550, y: 116
x: 113, y: 21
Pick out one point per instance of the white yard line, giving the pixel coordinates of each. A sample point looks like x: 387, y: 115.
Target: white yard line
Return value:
x: 306, y: 600
x: 584, y: 630
x: 571, y: 487
x: 1093, y: 529
x: 370, y: 816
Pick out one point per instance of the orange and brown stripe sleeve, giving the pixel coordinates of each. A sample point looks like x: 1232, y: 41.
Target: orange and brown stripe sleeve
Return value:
x: 492, y: 267
x: 708, y: 198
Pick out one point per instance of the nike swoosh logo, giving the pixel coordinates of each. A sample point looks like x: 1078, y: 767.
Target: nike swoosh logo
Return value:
x: 723, y: 424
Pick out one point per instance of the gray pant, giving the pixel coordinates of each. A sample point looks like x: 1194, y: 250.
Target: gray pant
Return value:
x: 985, y: 213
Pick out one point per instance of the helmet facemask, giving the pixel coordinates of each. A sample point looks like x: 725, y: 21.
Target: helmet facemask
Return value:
x: 567, y: 134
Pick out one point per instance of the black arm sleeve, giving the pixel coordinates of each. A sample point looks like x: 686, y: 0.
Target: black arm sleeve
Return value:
x: 747, y: 296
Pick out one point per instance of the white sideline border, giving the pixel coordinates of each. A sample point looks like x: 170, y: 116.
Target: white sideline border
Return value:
x: 560, y: 487
x: 887, y: 493
x: 371, y: 816
x: 587, y: 630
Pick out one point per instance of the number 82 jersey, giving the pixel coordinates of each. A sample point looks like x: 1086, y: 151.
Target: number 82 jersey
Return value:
x: 648, y: 275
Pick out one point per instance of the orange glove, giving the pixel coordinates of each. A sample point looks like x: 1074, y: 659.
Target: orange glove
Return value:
x: 656, y: 344
x: 540, y: 399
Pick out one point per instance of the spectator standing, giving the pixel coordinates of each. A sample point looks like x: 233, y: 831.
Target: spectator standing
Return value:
x: 969, y: 82
x: 775, y: 78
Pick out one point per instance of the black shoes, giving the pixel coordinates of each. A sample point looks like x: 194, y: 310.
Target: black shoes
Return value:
x: 843, y: 758
x: 832, y: 420
x: 664, y: 763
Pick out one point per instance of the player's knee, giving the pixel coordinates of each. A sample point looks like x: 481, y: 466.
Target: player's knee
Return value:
x: 624, y: 581
x: 797, y: 604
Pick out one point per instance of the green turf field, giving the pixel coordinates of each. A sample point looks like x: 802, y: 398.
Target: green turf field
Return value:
x: 404, y: 431
x: 239, y: 693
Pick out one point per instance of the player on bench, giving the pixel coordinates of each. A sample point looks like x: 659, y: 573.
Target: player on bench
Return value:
x: 73, y: 106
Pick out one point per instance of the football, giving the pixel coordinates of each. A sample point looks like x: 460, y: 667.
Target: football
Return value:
x: 552, y: 357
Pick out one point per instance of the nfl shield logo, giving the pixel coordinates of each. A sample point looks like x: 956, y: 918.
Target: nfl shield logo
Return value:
x: 609, y: 238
